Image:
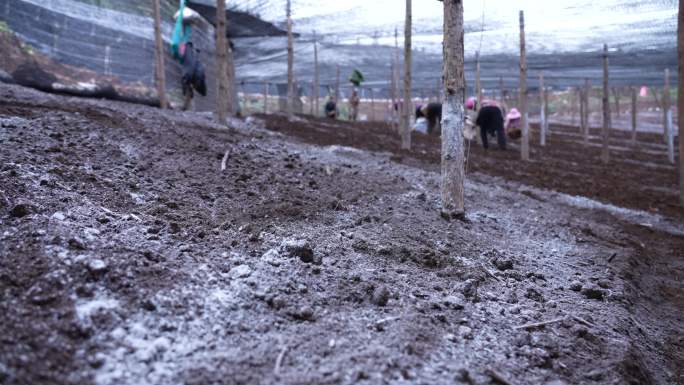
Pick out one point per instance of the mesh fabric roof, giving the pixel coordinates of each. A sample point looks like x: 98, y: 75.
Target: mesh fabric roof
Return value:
x: 564, y: 38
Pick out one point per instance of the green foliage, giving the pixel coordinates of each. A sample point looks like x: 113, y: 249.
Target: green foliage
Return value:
x: 4, y: 28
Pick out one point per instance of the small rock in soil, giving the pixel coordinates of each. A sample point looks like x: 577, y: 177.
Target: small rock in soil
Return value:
x: 241, y: 271
x: 503, y: 264
x: 76, y: 243
x: 302, y: 250
x: 19, y: 211
x: 272, y: 257
x: 304, y: 313
x: 593, y: 292
x: 380, y: 296
x: 97, y: 266
x: 454, y: 302
x: 576, y: 286
x: 59, y: 216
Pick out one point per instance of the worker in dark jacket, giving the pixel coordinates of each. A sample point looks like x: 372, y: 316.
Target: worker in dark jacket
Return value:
x: 193, y: 76
x: 432, y: 112
x: 490, y: 119
x: 331, y: 108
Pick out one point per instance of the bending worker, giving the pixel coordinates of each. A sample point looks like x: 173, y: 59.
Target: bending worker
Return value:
x: 490, y: 119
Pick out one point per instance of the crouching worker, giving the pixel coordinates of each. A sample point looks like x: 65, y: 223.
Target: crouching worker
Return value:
x: 514, y: 124
x: 331, y: 108
x: 490, y: 119
x: 432, y: 112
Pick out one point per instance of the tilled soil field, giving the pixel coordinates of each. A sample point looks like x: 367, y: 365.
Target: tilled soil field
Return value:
x: 140, y: 246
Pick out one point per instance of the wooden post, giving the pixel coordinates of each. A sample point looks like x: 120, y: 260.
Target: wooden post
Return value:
x: 634, y: 114
x: 372, y: 114
x: 317, y: 86
x: 311, y: 99
x: 233, y: 101
x: 266, y: 97
x: 542, y: 111
x: 525, y: 145
x: 605, y: 153
x: 406, y: 131
x: 453, y: 155
x: 680, y: 97
x: 159, y: 74
x: 581, y: 92
x: 666, y: 103
x: 399, y: 113
x: 478, y: 84
x: 669, y: 131
x: 337, y: 86
x: 222, y: 97
x: 546, y: 115
x: 393, y: 96
x: 290, y: 63
x: 616, y: 95
x: 574, y: 109
x: 501, y: 91
x: 587, y: 111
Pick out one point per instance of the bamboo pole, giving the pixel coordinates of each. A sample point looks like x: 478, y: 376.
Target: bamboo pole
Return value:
x: 317, y: 83
x: 337, y: 86
x: 680, y: 97
x: 587, y: 111
x: 290, y: 63
x: 666, y: 103
x: 542, y: 111
x: 634, y: 115
x: 159, y: 73
x: 525, y: 146
x: 478, y: 84
x: 222, y: 97
x: 372, y: 114
x: 453, y: 155
x: 605, y: 152
x: 406, y: 131
x: 616, y: 95
x: 668, y: 118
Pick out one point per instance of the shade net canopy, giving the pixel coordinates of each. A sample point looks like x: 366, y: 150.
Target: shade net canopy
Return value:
x: 564, y: 40
x: 76, y: 41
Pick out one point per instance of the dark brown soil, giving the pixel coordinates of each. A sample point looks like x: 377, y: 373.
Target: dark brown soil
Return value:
x: 638, y: 176
x: 128, y: 256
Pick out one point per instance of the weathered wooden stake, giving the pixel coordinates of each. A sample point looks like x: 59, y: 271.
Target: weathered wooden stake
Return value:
x: 581, y: 93
x: 222, y: 98
x: 680, y: 97
x: 543, y: 117
x: 406, y: 121
x: 634, y: 114
x: 266, y: 90
x: 317, y: 83
x: 337, y: 86
x: 290, y: 63
x: 372, y: 114
x: 478, y: 84
x: 667, y: 109
x: 525, y: 146
x: 453, y: 155
x: 605, y: 153
x: 666, y: 103
x: 616, y: 95
x: 587, y: 111
x: 501, y: 91
x: 159, y: 74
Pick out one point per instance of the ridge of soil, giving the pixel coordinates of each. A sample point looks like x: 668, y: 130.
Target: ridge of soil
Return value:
x: 638, y: 176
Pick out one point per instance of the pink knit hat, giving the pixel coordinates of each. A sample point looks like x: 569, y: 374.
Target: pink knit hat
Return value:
x: 513, y: 114
x: 471, y: 103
